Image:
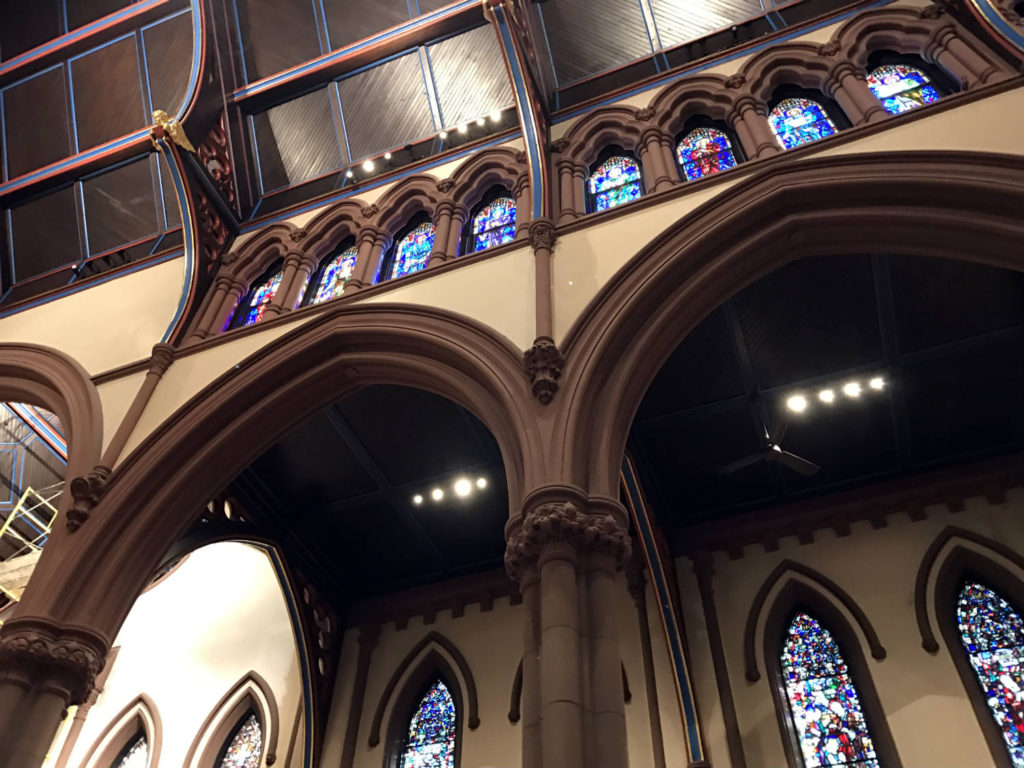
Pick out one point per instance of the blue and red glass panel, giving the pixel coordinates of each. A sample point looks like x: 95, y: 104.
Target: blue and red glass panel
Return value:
x: 412, y: 251
x: 800, y: 121
x: 335, y: 276
x: 901, y: 88
x: 261, y: 299
x: 431, y: 739
x: 495, y: 224
x: 616, y: 181
x: 704, y: 151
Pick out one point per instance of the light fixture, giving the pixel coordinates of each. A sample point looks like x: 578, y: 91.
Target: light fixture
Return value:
x: 797, y: 403
x: 481, y: 482
x: 437, y: 494
x: 461, y: 128
x: 442, y: 135
x: 851, y: 389
x: 417, y: 499
x: 827, y: 396
x: 877, y: 383
x: 368, y: 166
x: 349, y: 174
x: 480, y: 121
x: 387, y: 155
x: 495, y: 117
x: 462, y: 487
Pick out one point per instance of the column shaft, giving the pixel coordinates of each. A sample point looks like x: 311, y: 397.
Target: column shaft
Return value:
x: 439, y: 254
x: 530, y: 706
x: 606, y: 694
x: 567, y: 208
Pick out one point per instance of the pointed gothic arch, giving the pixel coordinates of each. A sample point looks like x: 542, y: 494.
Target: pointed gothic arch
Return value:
x: 250, y: 693
x: 140, y: 715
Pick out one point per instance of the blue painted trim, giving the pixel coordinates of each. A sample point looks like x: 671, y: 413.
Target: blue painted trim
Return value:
x: 659, y: 582
x: 11, y: 496
x: 527, y: 119
x: 187, y: 236
x: 433, y: 100
x: 1001, y: 25
x: 197, y: 57
x: 254, y: 225
x: 241, y: 43
x: 341, y: 53
x: 717, y: 62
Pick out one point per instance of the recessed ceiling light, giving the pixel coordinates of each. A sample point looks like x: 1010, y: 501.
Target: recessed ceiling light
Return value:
x: 481, y: 482
x: 495, y: 116
x: 349, y: 174
x: 461, y: 128
x: 387, y: 155
x: 462, y: 487
x: 442, y: 135
x: 797, y: 403
x: 417, y: 499
x: 851, y: 389
x: 827, y: 396
x: 437, y: 494
x: 480, y: 121
x: 368, y: 166
x: 877, y: 383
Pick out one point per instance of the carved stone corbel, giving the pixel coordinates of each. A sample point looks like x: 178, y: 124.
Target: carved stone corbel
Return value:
x: 86, y: 491
x: 543, y: 362
x: 62, y: 660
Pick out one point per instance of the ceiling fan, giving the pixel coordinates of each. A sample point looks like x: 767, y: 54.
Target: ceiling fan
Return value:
x: 772, y: 452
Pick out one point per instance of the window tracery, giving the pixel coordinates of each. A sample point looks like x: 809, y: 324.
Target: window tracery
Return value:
x: 704, y: 151
x: 614, y: 182
x: 797, y: 121
x: 901, y: 87
x: 992, y: 634
x: 430, y: 741
x: 824, y: 706
x: 245, y: 745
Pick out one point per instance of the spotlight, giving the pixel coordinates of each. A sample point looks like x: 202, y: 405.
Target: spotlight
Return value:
x: 349, y: 174
x: 851, y: 389
x: 442, y: 135
x: 495, y: 117
x: 480, y: 121
x: 417, y: 499
x: 462, y: 487
x: 461, y: 128
x: 437, y: 494
x: 368, y: 166
x: 387, y: 155
x: 827, y: 396
x: 797, y: 403
x: 877, y: 383
x: 481, y: 482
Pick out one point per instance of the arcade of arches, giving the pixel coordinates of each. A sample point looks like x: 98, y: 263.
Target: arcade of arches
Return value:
x: 676, y: 421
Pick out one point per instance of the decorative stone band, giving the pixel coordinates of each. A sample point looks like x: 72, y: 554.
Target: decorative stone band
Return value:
x: 563, y: 523
x: 36, y: 653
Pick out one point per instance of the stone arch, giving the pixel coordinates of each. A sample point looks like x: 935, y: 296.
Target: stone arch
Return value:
x: 412, y: 195
x: 157, y: 491
x: 704, y: 95
x: 608, y: 125
x: 331, y: 226
x: 140, y: 714
x: 947, y: 204
x: 250, y: 692
x: 799, y: 64
x: 473, y: 178
x: 255, y: 255
x: 433, y: 653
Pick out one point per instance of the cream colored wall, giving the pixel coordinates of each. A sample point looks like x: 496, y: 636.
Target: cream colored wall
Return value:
x: 931, y: 719
x: 190, y: 639
x: 116, y: 397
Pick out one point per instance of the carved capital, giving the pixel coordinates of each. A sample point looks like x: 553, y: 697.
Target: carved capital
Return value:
x: 444, y: 186
x: 831, y: 48
x: 62, y: 660
x: 160, y: 359
x: 444, y: 208
x: 542, y: 233
x: 543, y: 362
x: 563, y: 523
x: 735, y: 81
x: 650, y: 135
x: 86, y: 491
x: 559, y: 145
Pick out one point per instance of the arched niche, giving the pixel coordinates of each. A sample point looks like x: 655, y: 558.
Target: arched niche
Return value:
x: 140, y: 716
x: 250, y: 693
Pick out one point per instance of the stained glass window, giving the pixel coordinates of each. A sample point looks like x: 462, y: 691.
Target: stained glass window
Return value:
x: 245, y: 747
x: 136, y: 755
x: 261, y: 298
x: 411, y: 252
x: 495, y: 224
x: 614, y: 182
x: 704, y: 151
x: 335, y: 276
x: 824, y: 705
x: 800, y: 121
x: 993, y: 635
x: 431, y: 739
x: 901, y: 87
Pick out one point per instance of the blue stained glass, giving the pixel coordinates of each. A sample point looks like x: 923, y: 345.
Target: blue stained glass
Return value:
x: 823, y: 701
x: 616, y: 181
x: 901, y: 88
x: 431, y: 740
x: 992, y: 632
x: 495, y: 224
x: 412, y: 252
x: 137, y: 755
x: 704, y: 151
x: 335, y: 276
x: 800, y: 121
x: 261, y: 298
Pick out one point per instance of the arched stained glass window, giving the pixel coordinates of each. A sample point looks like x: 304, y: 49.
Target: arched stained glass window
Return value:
x: 704, y: 151
x: 495, y: 224
x: 334, y: 276
x: 430, y: 742
x: 135, y: 754
x: 901, y: 87
x: 992, y: 633
x: 410, y: 254
x: 245, y: 746
x: 261, y: 298
x: 614, y: 182
x: 824, y: 705
x: 800, y: 121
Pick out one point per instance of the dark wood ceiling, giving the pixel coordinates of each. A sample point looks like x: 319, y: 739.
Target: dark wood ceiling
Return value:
x: 946, y: 336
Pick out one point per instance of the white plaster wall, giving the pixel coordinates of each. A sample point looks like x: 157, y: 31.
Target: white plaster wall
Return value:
x: 108, y: 325
x: 930, y: 717
x: 116, y: 397
x: 190, y: 639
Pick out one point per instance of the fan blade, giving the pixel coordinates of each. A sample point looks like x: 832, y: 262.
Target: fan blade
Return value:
x: 736, y: 466
x: 797, y: 464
